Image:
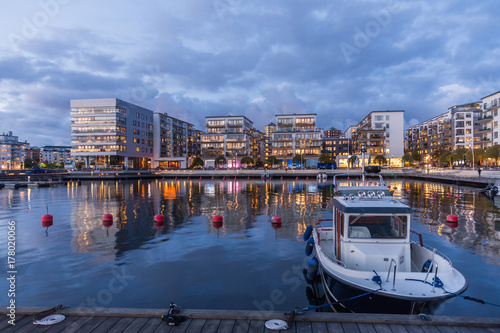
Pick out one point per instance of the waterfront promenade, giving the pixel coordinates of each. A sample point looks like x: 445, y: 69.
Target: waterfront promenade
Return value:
x: 100, y: 320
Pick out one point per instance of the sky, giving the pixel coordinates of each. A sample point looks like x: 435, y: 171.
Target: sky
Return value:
x: 197, y: 58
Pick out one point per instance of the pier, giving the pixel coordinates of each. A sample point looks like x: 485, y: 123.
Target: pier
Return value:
x: 100, y: 320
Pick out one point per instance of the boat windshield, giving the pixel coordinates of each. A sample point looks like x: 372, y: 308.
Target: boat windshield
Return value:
x: 377, y: 226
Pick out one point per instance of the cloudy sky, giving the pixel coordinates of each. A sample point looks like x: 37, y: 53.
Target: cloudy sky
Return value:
x: 195, y: 58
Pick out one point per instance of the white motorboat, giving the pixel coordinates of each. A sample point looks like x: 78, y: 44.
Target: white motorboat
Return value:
x: 322, y: 176
x: 367, y: 248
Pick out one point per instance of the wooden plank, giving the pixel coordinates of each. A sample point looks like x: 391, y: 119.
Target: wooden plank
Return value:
x: 92, y: 324
x: 334, y: 327
x: 414, y: 329
x: 226, y: 326
x: 366, y: 328
x: 182, y: 327
x: 446, y: 329
x: 136, y: 325
x: 4, y: 323
x: 382, y: 328
x: 151, y: 325
x: 350, y: 327
x: 27, y: 320
x: 430, y: 329
x: 121, y: 324
x: 397, y: 328
x: 256, y: 326
x: 461, y: 329
x: 73, y: 327
x: 196, y: 325
x: 106, y: 325
x: 241, y: 326
x: 303, y: 326
x: 211, y: 326
x: 319, y: 327
x: 163, y: 328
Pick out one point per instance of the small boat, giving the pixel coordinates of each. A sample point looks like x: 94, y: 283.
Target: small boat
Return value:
x: 366, y: 248
x: 265, y: 175
x: 492, y: 190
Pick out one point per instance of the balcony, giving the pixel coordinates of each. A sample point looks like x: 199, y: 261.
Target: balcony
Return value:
x: 484, y: 129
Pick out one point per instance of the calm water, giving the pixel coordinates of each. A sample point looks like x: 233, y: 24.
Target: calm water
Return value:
x: 244, y: 265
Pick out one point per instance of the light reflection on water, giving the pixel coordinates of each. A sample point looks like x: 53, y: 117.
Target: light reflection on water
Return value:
x: 243, y: 265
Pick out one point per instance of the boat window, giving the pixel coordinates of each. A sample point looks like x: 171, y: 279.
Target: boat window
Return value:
x: 377, y: 226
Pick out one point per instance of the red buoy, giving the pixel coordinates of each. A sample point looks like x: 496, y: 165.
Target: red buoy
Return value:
x: 297, y: 178
x: 234, y: 178
x: 175, y: 178
x: 281, y: 178
x: 248, y: 177
x: 307, y: 178
x: 261, y: 178
x: 348, y: 178
x: 389, y: 187
x: 47, y: 220
x: 276, y: 226
x: 107, y: 220
x: 212, y: 178
x: 217, y: 221
x: 452, y: 221
x: 188, y: 177
x: 223, y: 178
x: 276, y: 219
x: 201, y: 178
x: 159, y: 220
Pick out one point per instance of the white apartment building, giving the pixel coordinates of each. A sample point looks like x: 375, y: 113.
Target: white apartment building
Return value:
x: 463, y: 118
x: 229, y: 136
x: 489, y: 120
x: 56, y: 154
x: 111, y: 133
x: 12, y: 152
x: 380, y: 133
x: 296, y: 134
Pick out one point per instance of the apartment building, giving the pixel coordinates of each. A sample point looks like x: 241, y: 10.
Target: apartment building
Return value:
x: 459, y: 127
x: 380, y: 133
x: 12, y: 152
x: 174, y: 142
x: 296, y: 134
x: 488, y: 121
x: 336, y: 147
x: 56, y: 154
x: 111, y: 133
x: 229, y: 136
x: 332, y: 132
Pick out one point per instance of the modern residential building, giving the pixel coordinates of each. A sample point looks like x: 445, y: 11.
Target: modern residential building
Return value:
x: 489, y: 120
x: 456, y: 128
x: 111, y: 133
x: 33, y: 153
x: 12, y: 152
x: 296, y: 134
x: 332, y: 132
x: 380, y: 133
x: 56, y: 154
x: 174, y: 142
x: 336, y: 147
x: 229, y: 136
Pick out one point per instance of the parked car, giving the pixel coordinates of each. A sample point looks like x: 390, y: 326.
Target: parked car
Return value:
x: 293, y: 167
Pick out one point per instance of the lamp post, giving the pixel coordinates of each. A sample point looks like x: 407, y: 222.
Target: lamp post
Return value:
x: 472, y: 145
x: 363, y: 151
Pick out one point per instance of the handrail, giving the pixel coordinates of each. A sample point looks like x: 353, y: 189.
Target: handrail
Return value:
x: 389, y: 272
x: 419, y: 237
x: 435, y: 277
x: 333, y: 259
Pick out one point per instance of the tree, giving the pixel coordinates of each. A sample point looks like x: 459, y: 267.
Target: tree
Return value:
x: 79, y: 165
x: 380, y: 159
x: 445, y: 158
x: 197, y: 162
x: 478, y: 155
x: 247, y: 160
x: 352, y: 160
x: 325, y: 158
x: 493, y: 152
x: 416, y: 156
x: 297, y: 159
x: 272, y: 160
x: 220, y: 160
x: 459, y: 153
x: 408, y: 157
x: 30, y: 163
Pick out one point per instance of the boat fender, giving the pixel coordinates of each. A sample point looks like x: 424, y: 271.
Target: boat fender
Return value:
x: 426, y: 266
x: 309, y: 246
x: 312, y: 268
x: 308, y: 232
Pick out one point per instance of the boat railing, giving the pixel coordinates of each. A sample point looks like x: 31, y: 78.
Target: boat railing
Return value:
x: 334, y: 259
x: 389, y: 273
x: 421, y: 243
x: 364, y: 179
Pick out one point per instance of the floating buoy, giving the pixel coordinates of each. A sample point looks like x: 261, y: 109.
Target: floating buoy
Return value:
x: 457, y: 196
x: 276, y: 226
x: 175, y: 178
x: 395, y: 188
x: 435, y: 192
x: 261, y: 178
x: 107, y: 220
x: 270, y: 178
x: 452, y: 221
x: 235, y: 178
x: 276, y: 219
x: 312, y: 268
x: 297, y: 178
x: 248, y: 177
x: 201, y: 178
x: 447, y: 194
x: 389, y: 187
x: 308, y: 232
x: 188, y: 177
x: 223, y: 178
x: 212, y: 178
x: 357, y: 178
x: 120, y: 181
x: 432, y: 198
x: 281, y: 178
x: 307, y: 178
x: 309, y: 246
x: 217, y: 221
x: 47, y: 220
x: 159, y: 220
x: 348, y: 178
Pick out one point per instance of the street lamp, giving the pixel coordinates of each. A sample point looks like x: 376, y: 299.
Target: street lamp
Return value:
x: 363, y: 151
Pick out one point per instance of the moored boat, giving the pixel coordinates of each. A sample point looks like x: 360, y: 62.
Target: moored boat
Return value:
x: 367, y: 248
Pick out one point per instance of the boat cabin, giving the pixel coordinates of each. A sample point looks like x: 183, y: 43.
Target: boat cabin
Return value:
x: 370, y: 231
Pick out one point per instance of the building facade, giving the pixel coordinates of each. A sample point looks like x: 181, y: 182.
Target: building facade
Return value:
x: 12, y: 152
x: 111, y: 133
x: 332, y: 132
x: 56, y: 154
x: 380, y: 133
x: 334, y: 147
x: 488, y: 121
x: 174, y: 142
x: 229, y: 136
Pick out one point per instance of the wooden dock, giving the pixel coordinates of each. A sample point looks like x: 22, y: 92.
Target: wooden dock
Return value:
x: 99, y: 320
